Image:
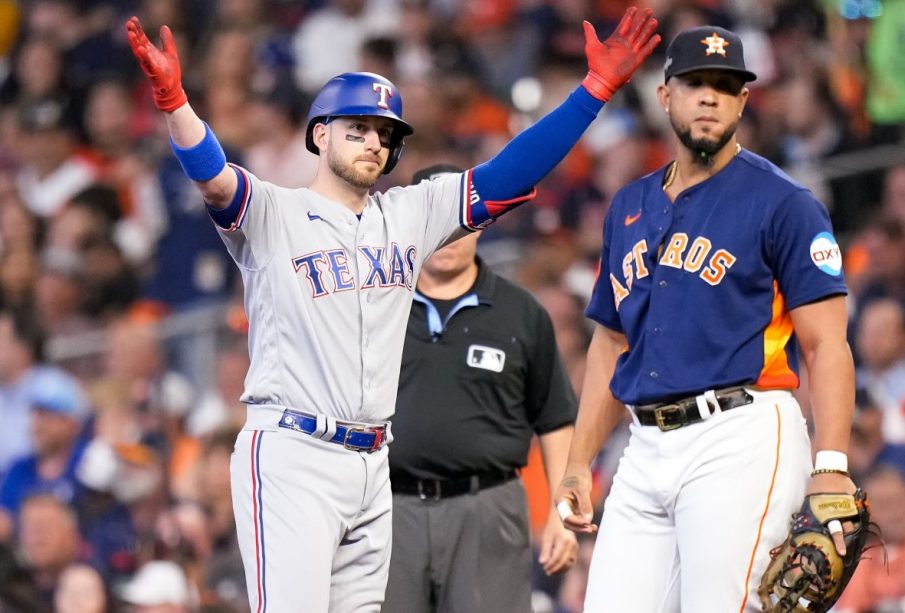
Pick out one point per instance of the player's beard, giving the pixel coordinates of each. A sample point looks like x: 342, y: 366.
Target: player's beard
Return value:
x: 705, y: 147
x: 349, y: 173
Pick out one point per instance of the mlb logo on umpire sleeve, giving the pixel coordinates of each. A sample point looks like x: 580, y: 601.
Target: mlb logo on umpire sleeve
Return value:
x: 487, y: 358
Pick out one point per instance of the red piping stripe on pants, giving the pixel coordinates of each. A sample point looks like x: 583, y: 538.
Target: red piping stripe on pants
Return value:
x: 258, y: 519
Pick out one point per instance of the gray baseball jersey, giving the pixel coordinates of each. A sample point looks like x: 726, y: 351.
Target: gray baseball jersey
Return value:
x: 328, y: 294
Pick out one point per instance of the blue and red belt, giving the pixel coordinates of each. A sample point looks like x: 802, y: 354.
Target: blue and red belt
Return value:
x: 357, y: 437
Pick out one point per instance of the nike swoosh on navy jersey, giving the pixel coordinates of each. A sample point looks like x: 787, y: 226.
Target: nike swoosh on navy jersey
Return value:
x: 313, y: 217
x: 630, y: 219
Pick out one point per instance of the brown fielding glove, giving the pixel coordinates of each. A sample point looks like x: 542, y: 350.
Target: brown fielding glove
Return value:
x: 806, y: 573
x: 161, y: 66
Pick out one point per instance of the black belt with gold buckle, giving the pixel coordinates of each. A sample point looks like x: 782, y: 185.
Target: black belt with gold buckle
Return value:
x: 671, y: 415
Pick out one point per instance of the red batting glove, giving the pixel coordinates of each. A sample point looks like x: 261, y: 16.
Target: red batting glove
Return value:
x: 161, y: 66
x: 612, y: 62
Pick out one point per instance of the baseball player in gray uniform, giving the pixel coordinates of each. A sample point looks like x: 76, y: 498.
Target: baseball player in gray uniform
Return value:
x: 329, y: 274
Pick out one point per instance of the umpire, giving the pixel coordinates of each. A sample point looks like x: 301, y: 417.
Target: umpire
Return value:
x: 480, y: 377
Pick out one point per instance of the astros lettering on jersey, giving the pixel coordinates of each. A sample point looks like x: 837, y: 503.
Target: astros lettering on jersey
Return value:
x: 702, y: 299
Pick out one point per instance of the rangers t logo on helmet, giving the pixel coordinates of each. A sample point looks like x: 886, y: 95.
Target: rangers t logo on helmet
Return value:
x: 385, y: 92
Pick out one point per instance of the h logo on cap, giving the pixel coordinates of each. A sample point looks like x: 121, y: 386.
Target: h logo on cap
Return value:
x: 715, y: 44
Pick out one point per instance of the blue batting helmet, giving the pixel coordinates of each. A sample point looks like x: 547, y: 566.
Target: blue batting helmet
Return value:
x: 361, y: 94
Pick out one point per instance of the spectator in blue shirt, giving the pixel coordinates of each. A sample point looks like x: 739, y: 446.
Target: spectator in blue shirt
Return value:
x: 58, y: 408
x: 21, y: 345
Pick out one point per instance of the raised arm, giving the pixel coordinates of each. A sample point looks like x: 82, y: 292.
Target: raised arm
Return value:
x: 531, y: 155
x: 192, y: 141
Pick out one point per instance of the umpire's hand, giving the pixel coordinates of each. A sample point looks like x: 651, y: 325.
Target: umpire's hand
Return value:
x: 558, y: 546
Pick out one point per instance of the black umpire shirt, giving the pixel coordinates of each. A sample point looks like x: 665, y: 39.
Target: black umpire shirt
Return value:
x: 477, y: 383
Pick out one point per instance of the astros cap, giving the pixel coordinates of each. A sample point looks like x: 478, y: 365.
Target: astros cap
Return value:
x: 706, y: 48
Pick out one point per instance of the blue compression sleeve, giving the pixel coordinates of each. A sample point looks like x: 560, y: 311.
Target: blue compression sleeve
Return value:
x: 531, y: 155
x: 203, y: 161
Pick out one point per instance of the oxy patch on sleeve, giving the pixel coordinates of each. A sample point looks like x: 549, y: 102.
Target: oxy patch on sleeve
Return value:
x: 826, y: 254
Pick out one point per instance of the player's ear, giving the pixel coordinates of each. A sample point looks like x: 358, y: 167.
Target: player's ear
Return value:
x: 663, y: 96
x: 743, y: 96
x: 320, y: 136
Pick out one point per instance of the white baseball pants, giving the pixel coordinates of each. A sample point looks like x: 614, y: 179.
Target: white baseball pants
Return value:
x: 693, y: 513
x: 314, y: 522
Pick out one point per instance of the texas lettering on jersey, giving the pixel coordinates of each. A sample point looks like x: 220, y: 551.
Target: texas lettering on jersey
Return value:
x: 328, y: 271
x: 693, y: 256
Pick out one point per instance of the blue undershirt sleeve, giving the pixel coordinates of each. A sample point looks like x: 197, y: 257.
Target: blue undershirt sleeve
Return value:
x: 230, y: 217
x: 531, y: 155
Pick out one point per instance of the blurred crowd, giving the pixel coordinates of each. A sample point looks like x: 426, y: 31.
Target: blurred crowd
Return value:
x: 122, y: 336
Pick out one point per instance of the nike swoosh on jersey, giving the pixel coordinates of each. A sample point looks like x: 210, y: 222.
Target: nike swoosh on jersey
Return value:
x: 630, y: 219
x: 313, y: 217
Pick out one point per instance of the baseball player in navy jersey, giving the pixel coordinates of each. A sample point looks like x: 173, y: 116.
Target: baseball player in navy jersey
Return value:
x: 717, y: 271
x: 329, y: 274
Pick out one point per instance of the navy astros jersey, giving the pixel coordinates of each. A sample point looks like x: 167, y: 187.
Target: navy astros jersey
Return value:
x: 702, y: 287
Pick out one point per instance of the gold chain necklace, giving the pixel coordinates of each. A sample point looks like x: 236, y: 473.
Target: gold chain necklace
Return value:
x: 673, y: 170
